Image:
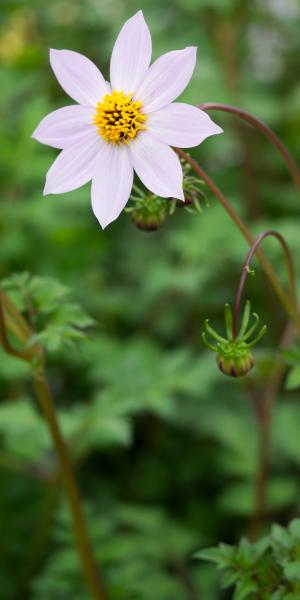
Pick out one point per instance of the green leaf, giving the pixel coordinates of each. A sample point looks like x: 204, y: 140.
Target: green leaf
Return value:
x: 74, y: 314
x: 229, y: 578
x: 294, y: 529
x: 293, y: 378
x: 246, y: 553
x: 245, y: 590
x: 292, y: 571
x: 222, y: 555
x: 53, y: 337
x: 281, y: 536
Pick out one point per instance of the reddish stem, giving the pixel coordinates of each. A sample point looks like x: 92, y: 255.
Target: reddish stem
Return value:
x: 3, y: 334
x: 246, y: 268
x: 281, y: 293
x: 263, y: 128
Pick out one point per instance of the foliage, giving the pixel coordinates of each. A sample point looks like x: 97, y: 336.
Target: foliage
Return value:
x: 292, y: 357
x: 268, y: 569
x: 165, y: 447
x: 55, y: 320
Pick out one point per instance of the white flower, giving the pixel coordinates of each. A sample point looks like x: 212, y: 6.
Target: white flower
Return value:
x: 124, y: 126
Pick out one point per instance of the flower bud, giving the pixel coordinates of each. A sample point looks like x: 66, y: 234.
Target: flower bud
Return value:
x: 190, y: 197
x: 234, y: 357
x: 148, y: 211
x: 235, y: 365
x: 147, y: 222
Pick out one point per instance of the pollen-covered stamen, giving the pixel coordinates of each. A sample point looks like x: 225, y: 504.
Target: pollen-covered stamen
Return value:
x: 119, y: 118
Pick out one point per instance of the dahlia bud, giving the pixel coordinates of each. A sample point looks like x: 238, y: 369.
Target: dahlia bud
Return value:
x: 233, y: 352
x: 235, y: 364
x: 148, y: 211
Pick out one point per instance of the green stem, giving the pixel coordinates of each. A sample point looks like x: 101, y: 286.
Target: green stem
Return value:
x: 10, y: 317
x: 284, y: 298
x: 3, y: 333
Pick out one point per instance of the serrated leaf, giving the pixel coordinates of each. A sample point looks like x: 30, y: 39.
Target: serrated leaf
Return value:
x: 222, y: 555
x: 55, y: 336
x: 73, y: 314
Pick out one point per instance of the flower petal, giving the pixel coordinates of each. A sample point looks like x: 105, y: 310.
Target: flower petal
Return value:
x: 63, y: 126
x: 157, y: 166
x: 131, y: 55
x: 75, y: 165
x: 181, y: 125
x: 78, y: 76
x: 112, y: 183
x: 166, y: 79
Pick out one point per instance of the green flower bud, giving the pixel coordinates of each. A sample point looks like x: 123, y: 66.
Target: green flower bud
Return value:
x: 233, y: 352
x: 148, y: 211
x: 235, y: 364
x: 147, y: 222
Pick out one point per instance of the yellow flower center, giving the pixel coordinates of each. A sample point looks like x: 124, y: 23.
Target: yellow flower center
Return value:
x: 119, y: 118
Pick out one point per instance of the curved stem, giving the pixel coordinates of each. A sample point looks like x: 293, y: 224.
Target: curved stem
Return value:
x: 22, y: 332
x: 263, y: 128
x: 245, y: 272
x: 15, y: 330
x: 286, y: 302
x: 83, y: 543
x: 25, y: 330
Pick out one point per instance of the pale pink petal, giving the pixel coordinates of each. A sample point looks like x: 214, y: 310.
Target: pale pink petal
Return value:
x: 78, y: 76
x: 75, y: 165
x: 166, y: 79
x: 112, y: 183
x: 131, y: 55
x: 63, y: 126
x: 157, y: 166
x: 181, y: 125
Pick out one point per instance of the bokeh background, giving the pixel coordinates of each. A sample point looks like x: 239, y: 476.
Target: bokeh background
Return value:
x: 165, y: 447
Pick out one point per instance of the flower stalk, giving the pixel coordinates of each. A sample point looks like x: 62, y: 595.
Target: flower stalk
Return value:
x: 263, y: 128
x: 12, y: 319
x: 284, y: 298
x: 246, y: 270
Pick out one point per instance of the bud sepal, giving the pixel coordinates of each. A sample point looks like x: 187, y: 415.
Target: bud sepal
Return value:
x: 193, y: 191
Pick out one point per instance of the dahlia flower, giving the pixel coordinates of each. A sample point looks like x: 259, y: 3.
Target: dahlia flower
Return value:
x: 123, y: 126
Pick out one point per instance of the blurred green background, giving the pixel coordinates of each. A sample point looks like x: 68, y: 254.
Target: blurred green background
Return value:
x: 165, y: 447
